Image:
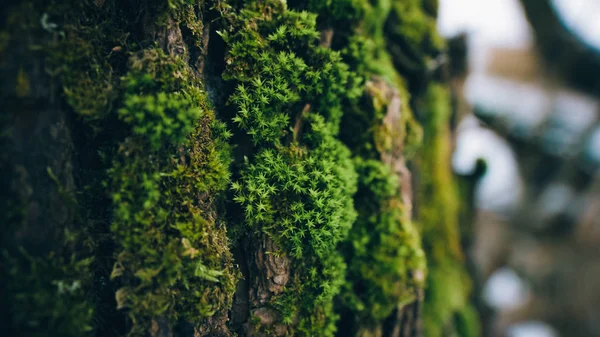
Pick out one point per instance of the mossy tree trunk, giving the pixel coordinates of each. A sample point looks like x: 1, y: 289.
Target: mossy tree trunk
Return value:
x: 222, y: 168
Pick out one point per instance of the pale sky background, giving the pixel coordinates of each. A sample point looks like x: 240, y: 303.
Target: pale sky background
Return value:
x: 581, y: 16
x: 489, y: 24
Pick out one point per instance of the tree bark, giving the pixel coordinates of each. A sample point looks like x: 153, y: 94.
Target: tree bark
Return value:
x: 218, y: 168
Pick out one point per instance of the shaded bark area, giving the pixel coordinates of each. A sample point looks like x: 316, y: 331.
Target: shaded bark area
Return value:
x: 53, y: 184
x: 406, y: 321
x: 37, y: 158
x: 38, y: 152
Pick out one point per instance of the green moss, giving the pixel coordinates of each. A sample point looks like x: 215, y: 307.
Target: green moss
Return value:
x: 297, y: 185
x: 437, y: 185
x: 85, y: 44
x: 397, y: 41
x: 309, y: 131
x: 164, y: 159
x: 467, y: 322
x: 386, y: 263
x: 412, y: 37
x: 162, y: 117
x: 367, y: 52
x: 278, y: 63
x: 383, y: 252
x: 385, y: 260
x: 299, y: 196
x: 448, y: 285
x: 173, y: 255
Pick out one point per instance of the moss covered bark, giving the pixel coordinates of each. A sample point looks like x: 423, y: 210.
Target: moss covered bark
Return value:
x: 447, y: 308
x: 221, y: 168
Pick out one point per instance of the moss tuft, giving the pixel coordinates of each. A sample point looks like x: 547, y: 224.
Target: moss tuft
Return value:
x: 320, y: 102
x: 297, y: 184
x: 173, y: 255
x: 386, y: 263
x: 86, y: 44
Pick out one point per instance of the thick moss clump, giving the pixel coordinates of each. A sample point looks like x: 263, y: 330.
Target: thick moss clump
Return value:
x: 152, y: 164
x: 297, y: 182
x: 448, y: 285
x: 312, y: 178
x: 173, y: 254
x: 87, y: 49
x: 386, y: 266
x: 385, y: 259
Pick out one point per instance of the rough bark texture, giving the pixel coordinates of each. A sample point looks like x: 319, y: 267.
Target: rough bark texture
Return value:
x: 267, y: 277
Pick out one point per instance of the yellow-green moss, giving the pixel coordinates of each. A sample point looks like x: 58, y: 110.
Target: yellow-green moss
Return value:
x: 385, y: 259
x: 173, y: 256
x: 448, y: 285
x: 308, y: 130
x: 437, y: 182
x: 297, y: 182
x: 383, y: 252
x: 85, y: 43
x: 153, y: 140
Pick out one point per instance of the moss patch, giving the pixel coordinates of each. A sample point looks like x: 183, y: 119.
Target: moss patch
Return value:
x: 173, y: 254
x: 297, y: 182
x: 448, y: 286
x: 308, y: 99
x: 154, y: 164
x: 386, y: 265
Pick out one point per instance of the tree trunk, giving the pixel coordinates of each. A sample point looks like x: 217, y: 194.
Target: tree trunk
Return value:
x: 223, y: 168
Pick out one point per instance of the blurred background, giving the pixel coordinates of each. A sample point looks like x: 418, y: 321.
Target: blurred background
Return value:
x: 528, y: 151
